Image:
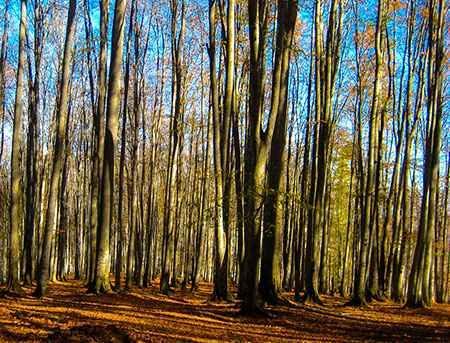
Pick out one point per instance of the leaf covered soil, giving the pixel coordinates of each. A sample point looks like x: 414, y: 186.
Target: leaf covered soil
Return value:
x: 69, y: 314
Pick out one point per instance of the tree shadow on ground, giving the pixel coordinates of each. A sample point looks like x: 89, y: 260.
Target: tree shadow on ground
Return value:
x: 147, y: 315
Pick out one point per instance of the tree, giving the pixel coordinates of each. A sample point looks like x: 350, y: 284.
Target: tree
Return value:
x: 58, y: 151
x: 102, y: 266
x: 259, y: 141
x: 270, y: 283
x: 326, y: 63
x: 259, y: 150
x: 177, y: 40
x: 15, y: 214
x: 121, y: 215
x: 3, y: 56
x: 99, y: 133
x: 32, y: 135
x: 419, y: 286
x: 221, y: 143
x: 367, y: 215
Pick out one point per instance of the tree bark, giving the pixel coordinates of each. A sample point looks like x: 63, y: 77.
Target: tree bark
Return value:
x: 102, y: 266
x: 419, y: 286
x: 58, y: 151
x: 15, y: 215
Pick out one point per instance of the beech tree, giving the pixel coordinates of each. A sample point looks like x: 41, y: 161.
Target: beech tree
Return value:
x: 15, y: 220
x: 259, y: 141
x: 99, y: 130
x: 265, y: 148
x: 101, y: 280
x: 176, y: 125
x: 326, y: 63
x: 58, y: 151
x: 419, y: 290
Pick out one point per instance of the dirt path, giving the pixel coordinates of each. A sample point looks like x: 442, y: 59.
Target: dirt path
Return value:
x: 69, y: 315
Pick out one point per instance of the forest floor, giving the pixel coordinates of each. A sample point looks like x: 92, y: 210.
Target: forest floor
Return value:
x: 68, y: 314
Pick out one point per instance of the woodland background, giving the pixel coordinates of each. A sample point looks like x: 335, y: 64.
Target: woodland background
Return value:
x: 261, y: 146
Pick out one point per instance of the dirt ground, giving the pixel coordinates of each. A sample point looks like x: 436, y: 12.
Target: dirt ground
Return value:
x: 68, y: 314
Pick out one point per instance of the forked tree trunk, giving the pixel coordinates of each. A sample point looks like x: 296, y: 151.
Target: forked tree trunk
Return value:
x: 419, y: 286
x: 177, y: 40
x: 31, y: 162
x: 99, y: 133
x: 102, y: 266
x: 359, y: 288
x: 270, y: 283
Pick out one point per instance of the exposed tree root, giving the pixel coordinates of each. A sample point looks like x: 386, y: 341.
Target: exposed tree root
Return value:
x: 12, y: 293
x: 227, y: 298
x: 415, y: 304
x: 257, y: 311
x: 311, y: 298
x: 168, y: 291
x: 357, y: 301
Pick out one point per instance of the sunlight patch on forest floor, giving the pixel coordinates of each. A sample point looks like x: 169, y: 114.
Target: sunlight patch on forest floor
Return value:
x: 68, y: 314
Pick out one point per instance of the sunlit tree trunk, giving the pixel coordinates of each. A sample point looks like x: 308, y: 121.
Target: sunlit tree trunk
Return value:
x: 32, y: 135
x: 271, y: 269
x: 326, y: 64
x: 102, y: 267
x: 445, y: 252
x: 99, y: 132
x: 177, y: 40
x: 258, y: 140
x: 132, y: 195
x: 58, y: 153
x: 304, y: 184
x: 15, y: 215
x: 63, y: 226
x: 367, y: 218
x: 3, y: 56
x: 410, y: 130
x: 419, y: 287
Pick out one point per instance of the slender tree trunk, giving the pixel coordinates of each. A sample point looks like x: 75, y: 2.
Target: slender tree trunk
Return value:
x: 3, y: 56
x: 102, y: 266
x: 31, y: 163
x: 270, y: 283
x: 15, y: 216
x: 58, y: 154
x: 258, y: 141
x: 419, y: 286
x: 358, y: 297
x: 99, y: 133
x: 177, y: 41
x: 326, y: 64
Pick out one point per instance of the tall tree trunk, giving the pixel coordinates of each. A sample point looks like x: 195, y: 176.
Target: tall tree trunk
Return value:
x: 102, y: 266
x: 15, y: 215
x: 3, y: 56
x: 220, y: 233
x: 258, y: 141
x: 445, y: 252
x: 177, y: 41
x: 99, y: 133
x: 63, y: 227
x: 133, y: 209
x: 58, y: 153
x: 270, y: 283
x: 31, y: 162
x: 419, y: 286
x: 326, y: 64
x: 358, y: 296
